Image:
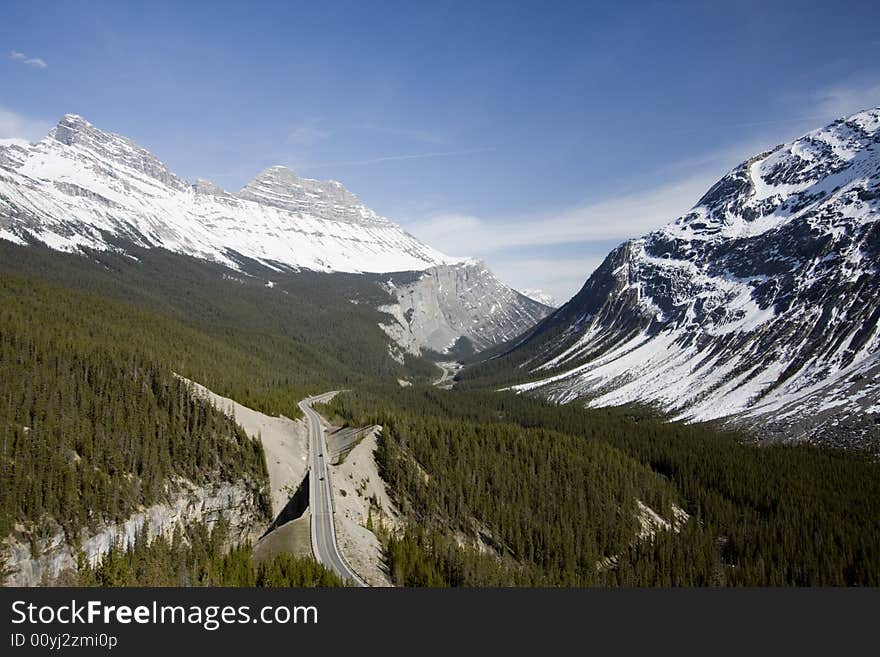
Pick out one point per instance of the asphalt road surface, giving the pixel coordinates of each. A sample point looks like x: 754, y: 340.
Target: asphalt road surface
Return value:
x: 323, y: 530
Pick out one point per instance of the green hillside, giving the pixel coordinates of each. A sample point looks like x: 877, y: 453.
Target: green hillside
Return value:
x: 266, y: 347
x: 552, y: 489
x: 94, y: 421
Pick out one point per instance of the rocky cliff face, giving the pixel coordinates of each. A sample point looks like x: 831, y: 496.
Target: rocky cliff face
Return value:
x: 757, y: 304
x: 54, y: 555
x: 280, y: 187
x: 438, y: 307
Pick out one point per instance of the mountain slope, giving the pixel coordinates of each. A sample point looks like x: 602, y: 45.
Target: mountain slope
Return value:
x: 265, y: 346
x: 81, y: 188
x: 437, y: 308
x: 759, y: 303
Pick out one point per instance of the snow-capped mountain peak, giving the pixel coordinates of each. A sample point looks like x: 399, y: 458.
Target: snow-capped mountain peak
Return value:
x: 74, y: 131
x: 760, y: 303
x: 83, y: 187
x: 536, y: 294
x: 205, y: 186
x: 280, y: 187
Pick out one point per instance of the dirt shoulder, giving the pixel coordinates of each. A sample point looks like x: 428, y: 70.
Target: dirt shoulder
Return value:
x: 285, y: 441
x: 359, y: 495
x: 290, y: 538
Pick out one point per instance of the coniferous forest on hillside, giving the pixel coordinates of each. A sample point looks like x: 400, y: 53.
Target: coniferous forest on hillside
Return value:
x: 94, y: 423
x: 551, y: 490
x: 97, y: 422
x: 493, y: 489
x: 266, y: 347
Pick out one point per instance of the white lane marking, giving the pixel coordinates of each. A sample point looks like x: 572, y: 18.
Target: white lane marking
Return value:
x: 330, y: 554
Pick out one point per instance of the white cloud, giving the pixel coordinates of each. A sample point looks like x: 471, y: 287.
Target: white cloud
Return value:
x: 559, y: 277
x: 15, y: 126
x: 308, y: 131
x: 404, y: 133
x: 34, y: 62
x: 616, y: 218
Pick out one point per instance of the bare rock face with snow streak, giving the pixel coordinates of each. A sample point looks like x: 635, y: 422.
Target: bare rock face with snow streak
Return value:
x: 759, y: 304
x: 280, y: 187
x: 76, y: 132
x: 448, y: 302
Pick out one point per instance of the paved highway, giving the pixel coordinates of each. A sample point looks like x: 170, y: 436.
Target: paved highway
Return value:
x: 323, y: 529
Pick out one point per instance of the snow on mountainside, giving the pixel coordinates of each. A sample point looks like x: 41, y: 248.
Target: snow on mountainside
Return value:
x: 81, y: 187
x: 540, y: 296
x: 760, y: 303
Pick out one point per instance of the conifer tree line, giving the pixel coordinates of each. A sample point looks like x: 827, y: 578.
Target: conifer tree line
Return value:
x: 550, y: 489
x: 267, y: 348
x: 94, y: 428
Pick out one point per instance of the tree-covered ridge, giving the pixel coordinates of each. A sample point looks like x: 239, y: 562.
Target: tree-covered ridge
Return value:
x: 94, y: 422
x: 550, y: 504
x: 266, y: 347
x: 759, y: 515
x: 198, y: 556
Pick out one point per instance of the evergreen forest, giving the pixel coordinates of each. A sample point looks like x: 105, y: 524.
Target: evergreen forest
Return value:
x: 505, y: 489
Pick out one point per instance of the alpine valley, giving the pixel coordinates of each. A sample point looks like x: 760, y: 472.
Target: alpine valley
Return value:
x: 277, y: 386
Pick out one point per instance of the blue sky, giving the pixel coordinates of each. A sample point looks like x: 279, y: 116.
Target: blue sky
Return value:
x: 534, y: 135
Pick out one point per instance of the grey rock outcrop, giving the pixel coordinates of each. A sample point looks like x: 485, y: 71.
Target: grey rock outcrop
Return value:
x: 54, y: 554
x: 280, y: 187
x: 437, y: 307
x: 73, y: 130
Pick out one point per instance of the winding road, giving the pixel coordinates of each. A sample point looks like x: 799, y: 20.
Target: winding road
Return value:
x: 450, y: 369
x: 323, y: 529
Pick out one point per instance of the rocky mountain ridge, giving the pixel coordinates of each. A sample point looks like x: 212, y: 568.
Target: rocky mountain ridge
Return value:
x: 83, y: 188
x: 758, y: 304
x: 445, y: 304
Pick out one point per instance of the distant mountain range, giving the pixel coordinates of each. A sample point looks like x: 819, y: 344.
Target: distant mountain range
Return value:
x: 81, y: 188
x: 760, y: 303
x: 540, y: 296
